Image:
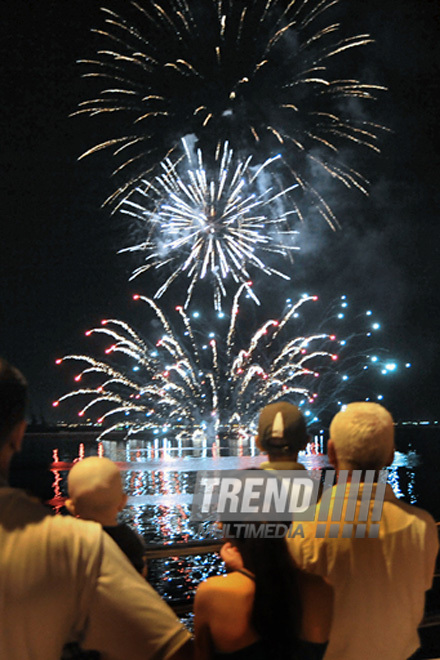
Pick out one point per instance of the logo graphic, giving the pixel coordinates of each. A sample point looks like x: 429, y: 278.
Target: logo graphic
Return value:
x: 351, y: 508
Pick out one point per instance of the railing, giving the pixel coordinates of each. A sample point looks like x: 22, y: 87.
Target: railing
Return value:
x: 159, y: 551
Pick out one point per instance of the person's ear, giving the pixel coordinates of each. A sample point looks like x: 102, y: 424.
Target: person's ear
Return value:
x: 231, y: 556
x: 390, y: 458
x: 225, y: 550
x: 16, y: 435
x: 331, y: 453
x: 123, y: 502
x: 70, y: 506
x: 258, y: 443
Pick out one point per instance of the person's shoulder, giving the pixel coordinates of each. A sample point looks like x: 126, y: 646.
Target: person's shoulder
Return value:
x: 223, y: 584
x: 126, y: 537
x: 415, y: 518
x: 75, y: 532
x: 131, y: 533
x: 417, y: 513
x: 18, y: 497
x: 86, y: 527
x: 213, y: 585
x: 424, y: 515
x: 25, y: 515
x: 205, y: 595
x: 121, y: 530
x: 17, y: 509
x: 426, y: 518
x: 219, y: 596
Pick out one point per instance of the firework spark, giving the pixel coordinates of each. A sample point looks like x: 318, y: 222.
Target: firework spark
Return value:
x: 262, y: 75
x: 215, y: 227
x: 203, y: 383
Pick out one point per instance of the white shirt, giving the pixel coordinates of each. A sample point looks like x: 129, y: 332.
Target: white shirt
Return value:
x: 63, y: 579
x: 379, y: 583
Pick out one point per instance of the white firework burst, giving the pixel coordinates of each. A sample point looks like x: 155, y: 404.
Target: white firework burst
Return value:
x: 216, y: 225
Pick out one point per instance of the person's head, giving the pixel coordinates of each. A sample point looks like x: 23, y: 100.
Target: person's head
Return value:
x: 247, y: 546
x: 361, y: 437
x: 13, y: 400
x: 282, y: 431
x: 95, y: 490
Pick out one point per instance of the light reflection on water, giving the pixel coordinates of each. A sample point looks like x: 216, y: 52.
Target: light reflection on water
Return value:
x: 159, y: 502
x: 160, y: 480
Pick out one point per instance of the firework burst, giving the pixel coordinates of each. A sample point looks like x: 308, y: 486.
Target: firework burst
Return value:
x: 197, y: 383
x: 262, y: 75
x: 216, y: 228
x: 203, y: 383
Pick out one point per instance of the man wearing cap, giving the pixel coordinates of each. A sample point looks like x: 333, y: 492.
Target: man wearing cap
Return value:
x: 381, y: 567
x: 63, y: 579
x: 282, y: 434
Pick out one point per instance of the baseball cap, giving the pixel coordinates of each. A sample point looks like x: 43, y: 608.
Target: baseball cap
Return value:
x: 281, y: 427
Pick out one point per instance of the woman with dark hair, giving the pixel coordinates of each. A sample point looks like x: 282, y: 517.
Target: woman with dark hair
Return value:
x: 255, y: 610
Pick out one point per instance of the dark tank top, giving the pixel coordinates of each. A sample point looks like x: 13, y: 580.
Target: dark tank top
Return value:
x: 257, y: 651
x: 260, y: 651
x: 254, y: 651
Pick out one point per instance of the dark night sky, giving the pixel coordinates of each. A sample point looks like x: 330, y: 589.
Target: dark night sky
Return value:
x: 59, y: 271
